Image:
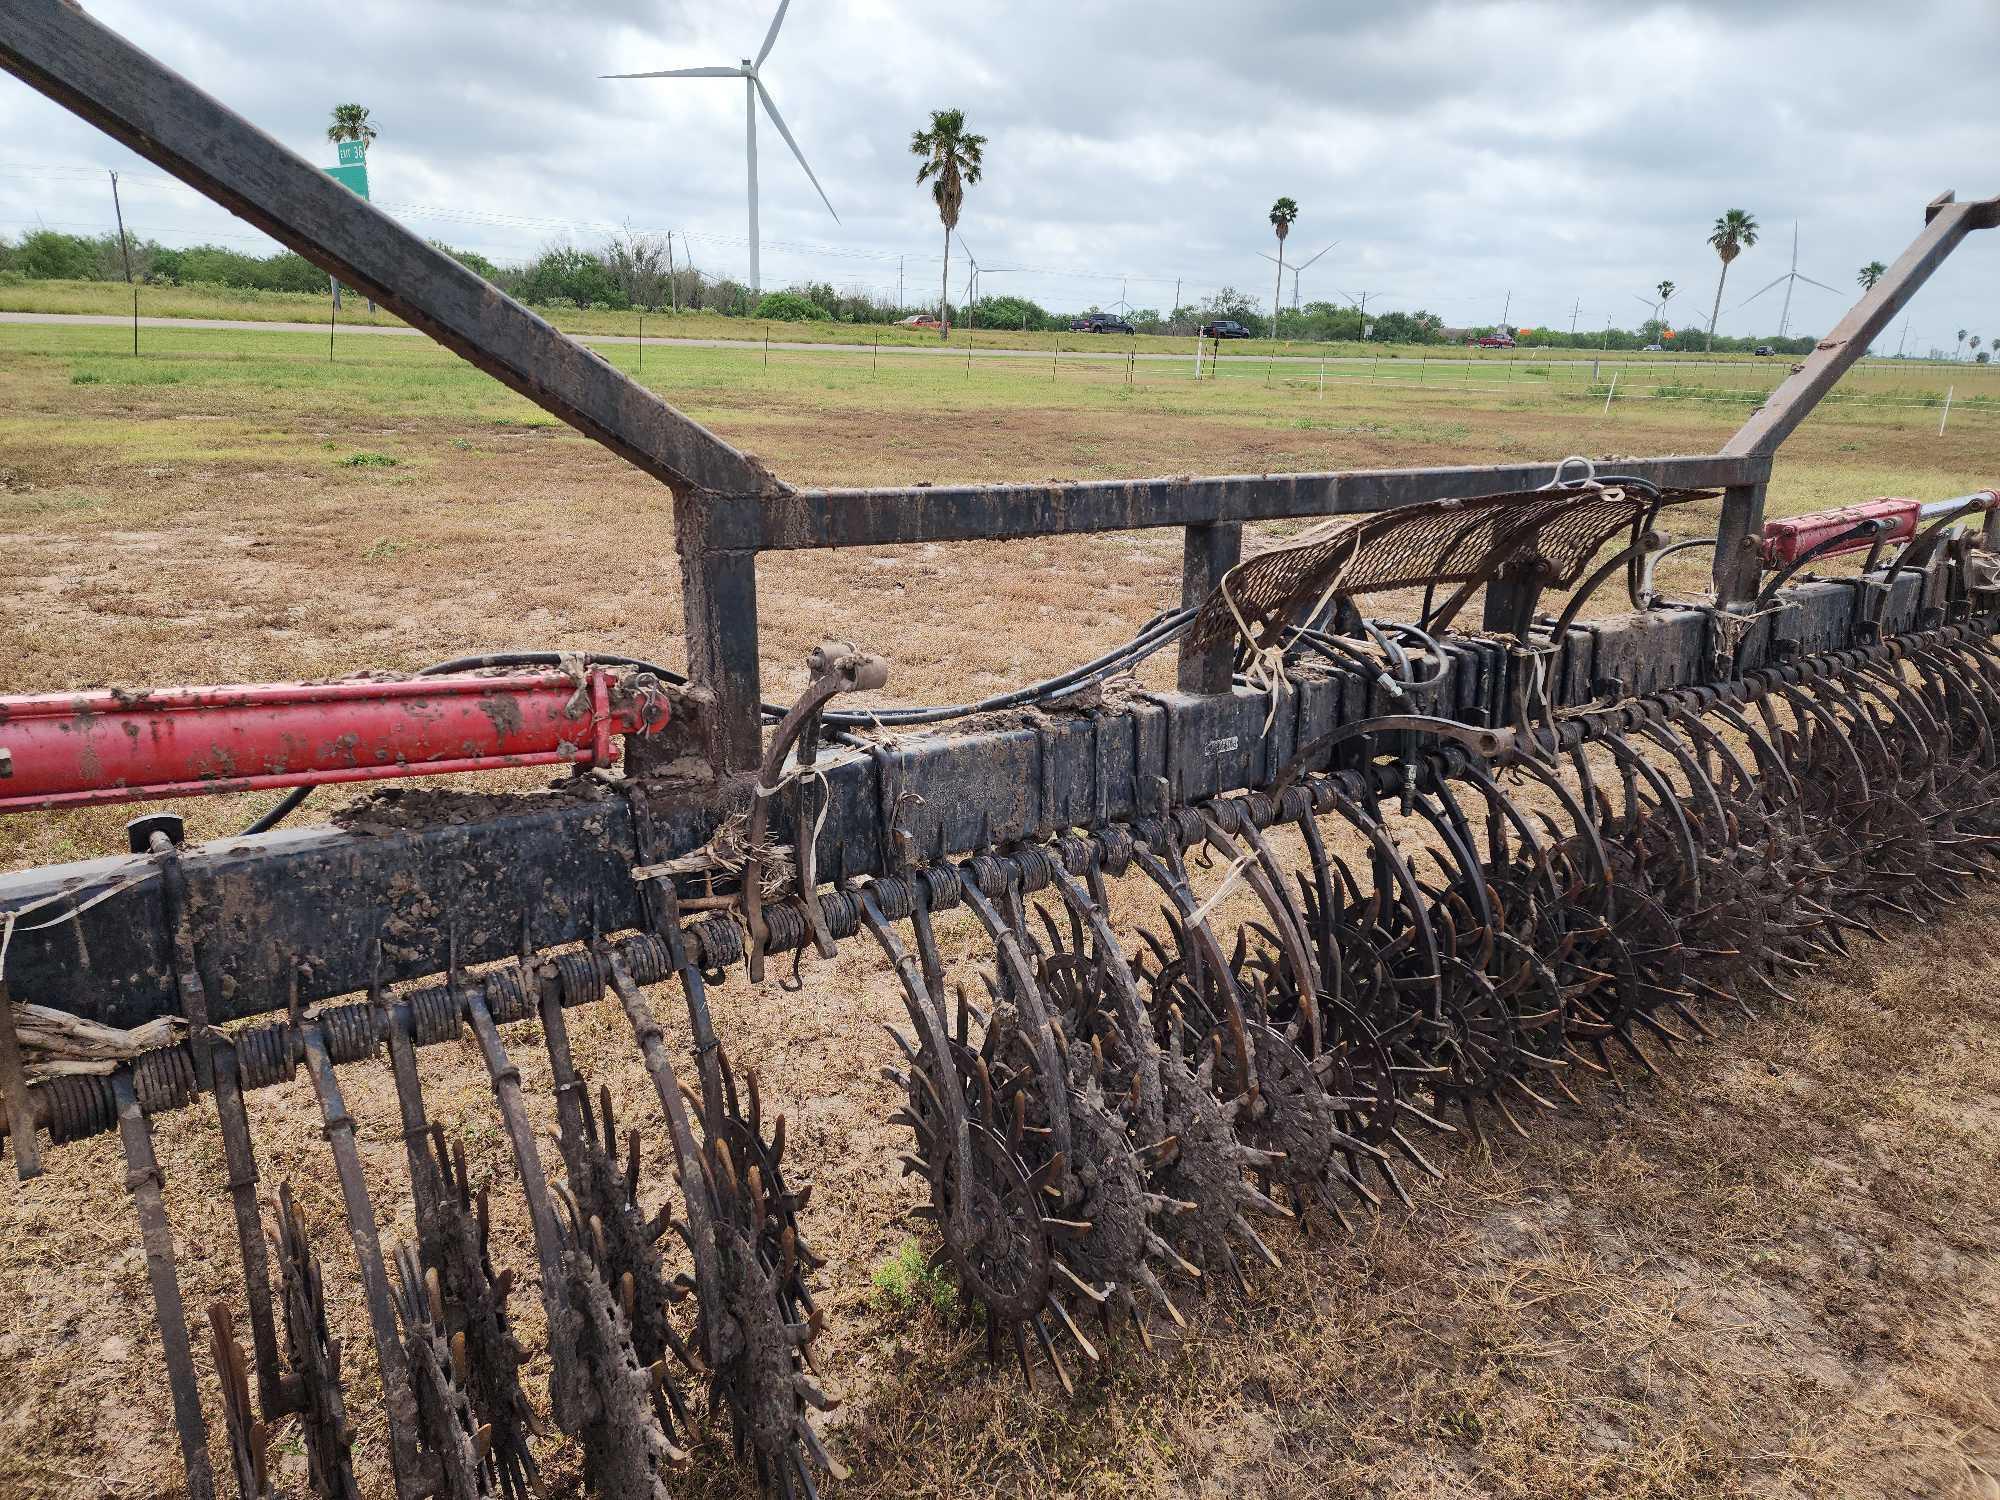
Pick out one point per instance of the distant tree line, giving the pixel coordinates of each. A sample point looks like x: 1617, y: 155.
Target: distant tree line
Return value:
x: 637, y: 271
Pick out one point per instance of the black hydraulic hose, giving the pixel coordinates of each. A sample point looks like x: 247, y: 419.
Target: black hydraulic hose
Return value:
x: 1157, y: 633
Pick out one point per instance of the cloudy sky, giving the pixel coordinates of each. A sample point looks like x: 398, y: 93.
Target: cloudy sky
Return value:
x: 1547, y: 159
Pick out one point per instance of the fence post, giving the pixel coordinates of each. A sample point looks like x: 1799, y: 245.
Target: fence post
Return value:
x: 1611, y: 392
x: 1207, y: 552
x: 1948, y: 390
x: 1322, y: 380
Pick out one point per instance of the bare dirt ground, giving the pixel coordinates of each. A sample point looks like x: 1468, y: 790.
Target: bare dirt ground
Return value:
x: 1771, y: 1272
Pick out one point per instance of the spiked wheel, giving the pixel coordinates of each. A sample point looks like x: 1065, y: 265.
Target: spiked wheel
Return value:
x: 605, y: 1189
x: 630, y: 1439
x: 761, y: 1372
x: 314, y: 1358
x: 453, y: 1229
x: 439, y: 1372
x: 761, y: 1380
x: 249, y: 1439
x: 1296, y: 1123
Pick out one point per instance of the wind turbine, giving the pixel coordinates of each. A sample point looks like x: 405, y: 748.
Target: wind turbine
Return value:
x: 1789, y: 278
x: 753, y: 90
x: 1295, y: 271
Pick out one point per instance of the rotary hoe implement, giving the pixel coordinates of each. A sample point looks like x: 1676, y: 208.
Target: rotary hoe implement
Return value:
x: 1228, y: 966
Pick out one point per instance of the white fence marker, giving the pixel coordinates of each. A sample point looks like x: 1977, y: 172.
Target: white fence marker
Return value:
x: 1610, y: 393
x: 1947, y: 409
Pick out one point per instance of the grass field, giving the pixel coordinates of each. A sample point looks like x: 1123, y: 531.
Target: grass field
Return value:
x: 1771, y: 1272
x: 114, y: 299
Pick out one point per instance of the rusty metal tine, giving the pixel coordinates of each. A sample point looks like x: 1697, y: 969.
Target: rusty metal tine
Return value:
x: 565, y: 1393
x: 92, y: 71
x: 239, y: 1154
x: 397, y: 1394
x: 426, y: 1184
x: 143, y: 1181
x: 694, y: 1170
x: 562, y: 1061
x: 17, y: 1106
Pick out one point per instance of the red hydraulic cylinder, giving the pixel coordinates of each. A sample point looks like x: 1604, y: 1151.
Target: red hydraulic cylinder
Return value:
x: 82, y: 749
x: 1784, y: 541
x: 1788, y: 540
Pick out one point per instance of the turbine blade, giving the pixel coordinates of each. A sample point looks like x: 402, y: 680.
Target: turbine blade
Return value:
x: 1759, y: 292
x: 681, y: 73
x: 771, y: 36
x: 779, y: 121
x: 1316, y: 257
x: 1271, y: 258
x: 1821, y: 285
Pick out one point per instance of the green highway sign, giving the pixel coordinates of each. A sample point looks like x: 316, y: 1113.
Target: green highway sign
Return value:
x: 353, y: 153
x: 354, y: 178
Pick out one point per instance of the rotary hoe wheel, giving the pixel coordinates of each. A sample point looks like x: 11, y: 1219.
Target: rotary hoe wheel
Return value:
x: 1099, y: 1122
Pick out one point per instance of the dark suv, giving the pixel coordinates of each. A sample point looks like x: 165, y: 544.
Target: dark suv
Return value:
x: 1101, y: 323
x: 1224, y: 328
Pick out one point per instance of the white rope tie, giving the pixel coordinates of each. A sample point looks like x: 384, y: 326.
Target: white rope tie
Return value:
x: 1230, y: 877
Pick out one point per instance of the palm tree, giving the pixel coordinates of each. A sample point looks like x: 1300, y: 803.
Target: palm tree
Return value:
x: 1869, y: 274
x: 952, y: 162
x: 350, y: 123
x: 1734, y: 233
x: 1961, y: 343
x: 1282, y: 214
x: 1973, y: 344
x: 1666, y: 289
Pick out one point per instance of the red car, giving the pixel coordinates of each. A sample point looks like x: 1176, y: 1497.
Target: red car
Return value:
x: 1493, y: 341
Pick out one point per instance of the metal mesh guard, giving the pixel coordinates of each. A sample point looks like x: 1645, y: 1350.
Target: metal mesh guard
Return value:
x: 1440, y: 541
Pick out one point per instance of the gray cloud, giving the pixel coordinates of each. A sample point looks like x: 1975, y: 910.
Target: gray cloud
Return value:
x: 1561, y: 152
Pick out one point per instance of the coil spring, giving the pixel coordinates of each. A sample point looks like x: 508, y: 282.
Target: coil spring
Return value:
x: 164, y: 1078
x: 716, y: 942
x: 581, y: 976
x: 433, y: 1014
x: 507, y: 997
x: 942, y: 886
x: 80, y: 1105
x: 349, y: 1030
x: 266, y: 1055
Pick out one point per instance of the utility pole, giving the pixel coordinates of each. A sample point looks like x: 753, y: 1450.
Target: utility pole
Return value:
x: 899, y: 283
x: 1507, y: 308
x: 125, y: 250
x: 673, y: 291
x: 1905, y: 338
x: 1574, y: 314
x: 1177, y: 298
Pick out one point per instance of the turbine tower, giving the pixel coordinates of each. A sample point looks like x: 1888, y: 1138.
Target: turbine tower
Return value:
x: 1295, y: 271
x: 753, y: 90
x: 1790, y: 278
